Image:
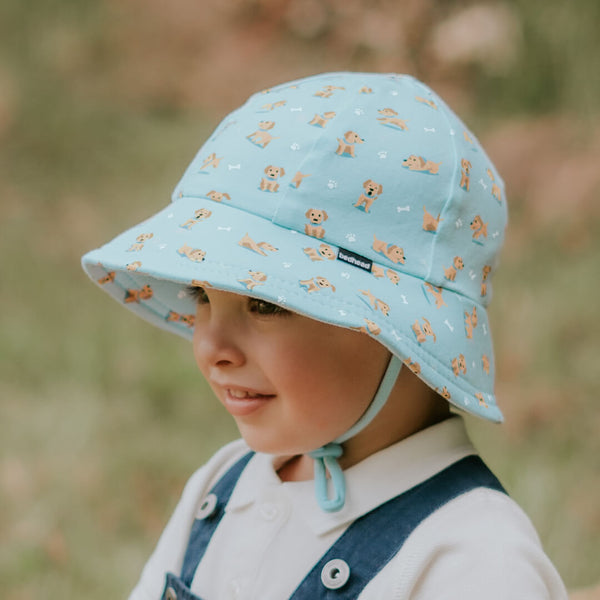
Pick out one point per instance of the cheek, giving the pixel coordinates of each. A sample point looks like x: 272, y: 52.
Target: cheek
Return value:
x: 336, y: 382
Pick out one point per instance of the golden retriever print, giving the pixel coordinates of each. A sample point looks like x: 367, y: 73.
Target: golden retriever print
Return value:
x: 423, y: 331
x: 390, y: 117
x: 218, y: 196
x: 393, y: 276
x: 465, y: 174
x: 372, y: 191
x: 260, y: 247
x: 322, y: 120
x: 324, y: 252
x: 485, y: 361
x: 430, y: 223
x: 457, y: 265
x: 444, y: 393
x: 376, y: 303
x: 256, y: 278
x: 470, y: 322
x: 479, y: 227
x: 459, y: 365
x: 134, y: 266
x: 140, y: 240
x: 194, y: 254
x: 415, y: 367
x: 211, y: 161
x: 269, y: 183
x: 481, y: 399
x: 200, y: 283
x: 145, y: 293
x: 261, y: 137
x: 436, y: 292
x: 429, y: 103
x: 377, y: 271
x: 418, y: 163
x: 274, y: 105
x: 390, y: 251
x: 496, y: 191
x: 346, y: 146
x: 298, y: 179
x: 327, y: 91
x: 484, y: 275
x: 200, y: 215
x: 108, y: 278
x: 317, y: 283
x: 315, y: 217
x: 175, y: 317
x: 370, y: 328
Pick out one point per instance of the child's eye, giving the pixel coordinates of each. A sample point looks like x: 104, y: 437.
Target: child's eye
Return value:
x: 262, y: 307
x: 197, y: 294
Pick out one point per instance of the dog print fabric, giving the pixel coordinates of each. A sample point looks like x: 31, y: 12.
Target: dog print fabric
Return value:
x: 357, y: 199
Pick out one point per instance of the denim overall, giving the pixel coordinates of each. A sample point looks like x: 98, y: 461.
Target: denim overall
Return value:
x: 345, y: 569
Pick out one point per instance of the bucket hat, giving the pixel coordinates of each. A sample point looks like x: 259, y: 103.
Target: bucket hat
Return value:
x: 357, y: 199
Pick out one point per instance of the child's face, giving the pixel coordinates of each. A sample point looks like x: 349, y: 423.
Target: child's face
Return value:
x: 291, y: 383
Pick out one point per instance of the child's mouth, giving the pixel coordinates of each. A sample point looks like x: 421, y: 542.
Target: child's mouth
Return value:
x: 242, y: 395
x: 240, y: 403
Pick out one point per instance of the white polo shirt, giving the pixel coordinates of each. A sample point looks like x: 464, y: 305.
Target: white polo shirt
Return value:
x: 480, y: 545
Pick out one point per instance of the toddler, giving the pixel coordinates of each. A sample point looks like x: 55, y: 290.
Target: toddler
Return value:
x: 329, y: 252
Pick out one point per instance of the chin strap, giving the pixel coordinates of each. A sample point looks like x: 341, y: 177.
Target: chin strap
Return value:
x: 326, y: 457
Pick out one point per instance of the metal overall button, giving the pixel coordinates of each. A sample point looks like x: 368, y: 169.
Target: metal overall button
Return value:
x: 207, y: 507
x: 335, y: 574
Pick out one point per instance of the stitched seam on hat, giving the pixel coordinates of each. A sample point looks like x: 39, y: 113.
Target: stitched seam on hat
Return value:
x: 451, y: 189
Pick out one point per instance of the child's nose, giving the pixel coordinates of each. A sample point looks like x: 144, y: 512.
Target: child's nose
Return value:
x: 216, y: 344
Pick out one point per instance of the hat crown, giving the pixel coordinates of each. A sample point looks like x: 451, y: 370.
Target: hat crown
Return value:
x: 371, y: 163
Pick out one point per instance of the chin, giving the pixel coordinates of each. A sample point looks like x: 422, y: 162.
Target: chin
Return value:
x: 276, y: 445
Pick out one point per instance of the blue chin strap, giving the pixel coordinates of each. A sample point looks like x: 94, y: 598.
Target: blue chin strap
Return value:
x: 326, y: 457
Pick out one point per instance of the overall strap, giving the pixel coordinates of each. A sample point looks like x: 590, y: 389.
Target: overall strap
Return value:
x: 208, y: 517
x: 375, y: 538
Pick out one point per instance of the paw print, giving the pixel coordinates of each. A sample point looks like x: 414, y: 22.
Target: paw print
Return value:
x: 351, y: 237
x: 332, y: 184
x: 382, y: 154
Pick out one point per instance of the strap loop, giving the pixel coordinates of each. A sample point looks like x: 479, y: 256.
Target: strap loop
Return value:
x: 326, y: 460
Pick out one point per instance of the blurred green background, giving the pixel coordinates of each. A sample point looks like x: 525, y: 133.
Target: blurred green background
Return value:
x: 103, y: 104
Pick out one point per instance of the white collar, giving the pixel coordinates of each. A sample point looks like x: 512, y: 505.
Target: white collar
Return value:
x: 373, y: 481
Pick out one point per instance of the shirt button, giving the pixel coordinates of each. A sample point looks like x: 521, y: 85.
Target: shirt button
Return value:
x: 170, y: 594
x: 268, y: 511
x: 207, y: 507
x: 335, y: 574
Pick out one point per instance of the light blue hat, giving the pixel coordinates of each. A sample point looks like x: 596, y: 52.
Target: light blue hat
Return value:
x: 357, y: 199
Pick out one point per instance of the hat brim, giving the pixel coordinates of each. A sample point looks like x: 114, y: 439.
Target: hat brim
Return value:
x: 148, y: 267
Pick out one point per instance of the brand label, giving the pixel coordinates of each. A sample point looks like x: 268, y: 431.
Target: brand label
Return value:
x: 355, y: 260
